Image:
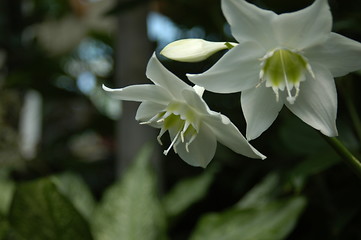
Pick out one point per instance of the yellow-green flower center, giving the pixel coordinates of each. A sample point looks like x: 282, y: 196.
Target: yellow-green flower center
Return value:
x: 180, y: 120
x: 284, y: 69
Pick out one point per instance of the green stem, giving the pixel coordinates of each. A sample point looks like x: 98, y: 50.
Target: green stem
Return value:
x: 345, y: 154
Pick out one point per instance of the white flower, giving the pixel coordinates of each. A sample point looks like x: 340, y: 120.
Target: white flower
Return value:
x: 288, y: 59
x: 173, y: 106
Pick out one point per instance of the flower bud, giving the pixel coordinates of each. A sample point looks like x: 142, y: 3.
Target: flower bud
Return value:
x: 193, y: 50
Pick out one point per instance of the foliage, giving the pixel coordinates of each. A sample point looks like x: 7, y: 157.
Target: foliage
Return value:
x: 70, y: 190
x: 132, y: 209
x: 272, y: 221
x: 258, y: 215
x: 40, y: 211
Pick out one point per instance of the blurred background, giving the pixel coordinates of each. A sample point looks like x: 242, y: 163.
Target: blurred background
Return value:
x: 63, y: 140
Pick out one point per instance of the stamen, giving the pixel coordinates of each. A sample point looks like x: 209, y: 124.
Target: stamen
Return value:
x: 165, y: 152
x: 153, y: 119
x: 297, y: 91
x: 185, y: 127
x: 187, y: 148
x: 275, y: 90
x: 190, y: 141
x: 291, y: 99
x: 182, y: 136
x: 175, y: 149
x: 309, y: 69
x: 261, y: 74
x: 261, y: 78
x: 284, y: 68
x: 162, y: 131
x: 167, y: 114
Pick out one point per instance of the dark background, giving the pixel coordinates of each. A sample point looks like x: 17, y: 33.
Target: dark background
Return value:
x: 81, y: 133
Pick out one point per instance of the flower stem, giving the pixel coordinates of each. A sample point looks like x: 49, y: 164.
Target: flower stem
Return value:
x: 345, y: 154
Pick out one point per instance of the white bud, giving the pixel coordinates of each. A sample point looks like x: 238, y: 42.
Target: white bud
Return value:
x: 193, y: 50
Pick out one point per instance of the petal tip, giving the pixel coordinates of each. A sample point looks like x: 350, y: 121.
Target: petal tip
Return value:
x: 105, y: 88
x: 194, y: 78
x: 258, y: 155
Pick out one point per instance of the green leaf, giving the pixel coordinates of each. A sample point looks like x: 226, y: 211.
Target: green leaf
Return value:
x: 40, y: 212
x: 76, y: 190
x: 315, y: 164
x: 187, y: 192
x: 4, y: 227
x: 273, y: 221
x: 310, y: 166
x: 130, y: 209
x: 262, y: 193
x: 7, y: 189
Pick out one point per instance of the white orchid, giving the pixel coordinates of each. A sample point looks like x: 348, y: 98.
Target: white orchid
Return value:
x: 288, y: 59
x: 173, y: 106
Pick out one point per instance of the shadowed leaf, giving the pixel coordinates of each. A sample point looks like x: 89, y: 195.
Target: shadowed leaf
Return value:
x: 40, y: 212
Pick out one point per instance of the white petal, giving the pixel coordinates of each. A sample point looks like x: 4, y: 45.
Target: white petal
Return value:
x: 248, y: 22
x: 230, y: 136
x: 304, y: 28
x: 192, y: 50
x: 139, y: 93
x: 237, y: 70
x: 260, y: 109
x: 147, y: 110
x: 199, y: 90
x: 201, y: 150
x: 316, y: 104
x: 339, y: 54
x: 195, y: 101
x: 164, y: 78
